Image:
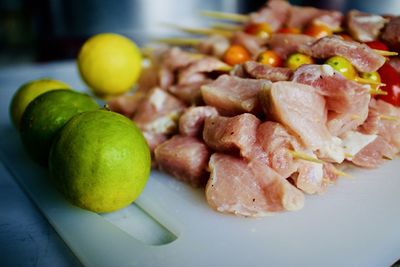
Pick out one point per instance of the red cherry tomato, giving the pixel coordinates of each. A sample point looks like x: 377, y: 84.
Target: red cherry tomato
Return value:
x: 377, y: 45
x: 391, y: 78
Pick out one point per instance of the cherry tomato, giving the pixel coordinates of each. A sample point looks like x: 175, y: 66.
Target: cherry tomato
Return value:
x: 391, y: 78
x: 377, y: 45
x: 260, y: 29
x: 343, y: 66
x: 318, y: 30
x: 236, y: 54
x: 270, y: 58
x: 297, y: 59
x: 290, y: 30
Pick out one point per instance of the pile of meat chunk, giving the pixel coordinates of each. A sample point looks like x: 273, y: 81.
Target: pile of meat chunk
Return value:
x: 258, y: 137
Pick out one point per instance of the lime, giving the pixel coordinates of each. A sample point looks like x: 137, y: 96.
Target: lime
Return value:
x: 29, y: 91
x: 100, y: 161
x: 110, y: 64
x: 46, y: 115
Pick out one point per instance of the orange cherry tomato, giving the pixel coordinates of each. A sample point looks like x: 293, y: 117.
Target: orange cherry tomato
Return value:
x: 269, y: 58
x: 318, y: 30
x: 260, y: 29
x: 290, y: 30
x: 236, y: 54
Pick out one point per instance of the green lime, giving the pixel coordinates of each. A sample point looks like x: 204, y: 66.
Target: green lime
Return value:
x: 46, y: 115
x: 100, y: 161
x: 29, y: 91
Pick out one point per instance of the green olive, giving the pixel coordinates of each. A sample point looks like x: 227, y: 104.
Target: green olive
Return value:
x: 297, y: 59
x: 343, y: 66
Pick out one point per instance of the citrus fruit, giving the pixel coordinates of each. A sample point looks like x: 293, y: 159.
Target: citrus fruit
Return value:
x: 47, y: 114
x: 110, y: 64
x: 100, y: 161
x: 29, y: 91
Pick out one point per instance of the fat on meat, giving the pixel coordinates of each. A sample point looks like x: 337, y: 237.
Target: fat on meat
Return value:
x: 196, y: 71
x: 346, y: 100
x: 249, y: 189
x: 285, y: 44
x: 232, y: 134
x: 364, y: 27
x: 191, y: 123
x: 233, y: 95
x: 184, y: 157
x: 300, y: 108
x: 360, y: 55
x: 261, y: 71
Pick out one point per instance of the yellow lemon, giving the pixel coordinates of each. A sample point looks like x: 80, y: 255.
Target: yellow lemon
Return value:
x: 29, y: 91
x: 110, y: 64
x: 100, y: 161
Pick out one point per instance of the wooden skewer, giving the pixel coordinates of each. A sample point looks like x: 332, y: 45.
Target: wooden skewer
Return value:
x: 202, y: 31
x: 179, y: 41
x: 385, y: 53
x: 389, y: 118
x: 226, y: 26
x: 366, y: 81
x: 341, y: 173
x: 348, y: 155
x: 225, y: 15
x: 377, y: 92
x: 304, y: 156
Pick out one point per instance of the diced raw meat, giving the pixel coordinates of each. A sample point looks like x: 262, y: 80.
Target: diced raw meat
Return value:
x: 364, y: 27
x: 310, y: 177
x: 383, y: 120
x: 191, y: 122
x: 252, y: 43
x: 165, y: 77
x: 285, y: 44
x: 300, y: 108
x: 231, y: 134
x: 185, y: 158
x: 154, y: 139
x: 147, y: 79
x: 274, y: 13
x: 195, y: 72
x: 215, y: 45
x: 262, y: 71
x: 330, y: 174
x: 374, y: 154
x: 391, y: 34
x: 300, y: 17
x: 189, y: 93
x: 175, y: 58
x: 126, y: 104
x: 276, y: 142
x: 251, y: 189
x: 233, y: 95
x: 347, y: 99
x: 361, y: 56
x: 395, y: 63
x: 158, y: 113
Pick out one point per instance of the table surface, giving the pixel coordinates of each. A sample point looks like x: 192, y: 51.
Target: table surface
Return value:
x: 26, y: 237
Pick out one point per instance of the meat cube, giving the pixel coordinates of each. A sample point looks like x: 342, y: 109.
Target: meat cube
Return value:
x: 215, y: 45
x: 300, y: 17
x: 189, y: 93
x: 252, y: 43
x: 126, y: 104
x: 285, y: 44
x: 364, y: 27
x: 261, y: 71
x: 191, y: 123
x: 274, y: 13
x: 195, y: 72
x: 249, y: 189
x: 233, y: 95
x: 231, y: 134
x: 185, y: 158
x: 391, y: 34
x: 361, y: 56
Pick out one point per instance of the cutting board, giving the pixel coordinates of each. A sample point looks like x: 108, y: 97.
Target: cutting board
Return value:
x: 355, y: 223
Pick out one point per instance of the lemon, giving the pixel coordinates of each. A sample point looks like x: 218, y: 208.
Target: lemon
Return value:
x: 110, y: 64
x: 46, y: 115
x: 29, y: 91
x: 100, y: 161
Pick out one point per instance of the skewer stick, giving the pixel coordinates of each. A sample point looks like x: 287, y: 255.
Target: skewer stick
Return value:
x: 348, y: 155
x: 385, y: 53
x: 304, y: 156
x: 366, y: 81
x: 225, y: 15
x: 179, y: 41
x: 202, y: 31
x: 377, y: 92
x: 341, y: 173
x: 389, y: 118
x: 226, y: 26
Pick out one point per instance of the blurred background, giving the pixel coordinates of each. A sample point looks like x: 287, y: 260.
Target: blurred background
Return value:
x: 47, y: 30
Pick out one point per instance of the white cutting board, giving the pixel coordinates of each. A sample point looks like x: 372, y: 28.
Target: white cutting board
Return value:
x: 356, y: 223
